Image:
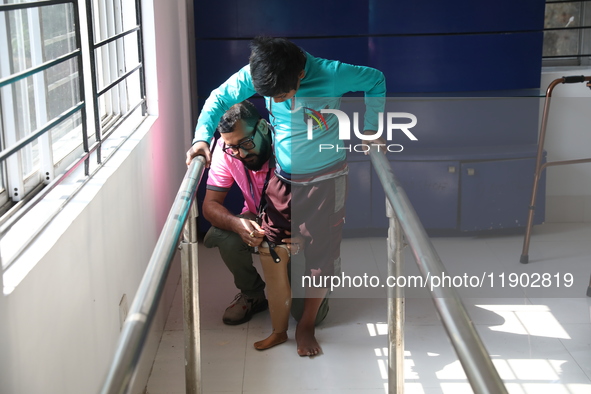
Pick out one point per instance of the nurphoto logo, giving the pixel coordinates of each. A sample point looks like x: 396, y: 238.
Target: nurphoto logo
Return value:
x: 316, y: 121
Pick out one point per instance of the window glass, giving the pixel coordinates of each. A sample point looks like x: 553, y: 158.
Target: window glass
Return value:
x: 567, y: 32
x: 44, y: 117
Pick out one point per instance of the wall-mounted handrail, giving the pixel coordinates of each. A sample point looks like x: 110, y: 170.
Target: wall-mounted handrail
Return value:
x: 475, y: 360
x: 145, y: 303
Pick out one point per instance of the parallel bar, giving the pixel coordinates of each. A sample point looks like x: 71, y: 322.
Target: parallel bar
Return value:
x: 396, y: 315
x: 192, y: 326
x: 34, y: 70
x: 116, y: 37
x: 481, y: 373
x: 145, y: 303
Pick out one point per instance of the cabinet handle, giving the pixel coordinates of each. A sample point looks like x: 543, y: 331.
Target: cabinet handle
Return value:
x: 451, y: 169
x: 471, y: 171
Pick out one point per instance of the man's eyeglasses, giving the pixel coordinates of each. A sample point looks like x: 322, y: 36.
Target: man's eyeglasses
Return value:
x: 247, y: 144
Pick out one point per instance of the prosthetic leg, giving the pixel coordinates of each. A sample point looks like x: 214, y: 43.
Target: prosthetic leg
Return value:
x: 274, y: 261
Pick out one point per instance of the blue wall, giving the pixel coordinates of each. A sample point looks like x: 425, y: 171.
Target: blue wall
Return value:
x: 424, y: 47
x: 421, y: 45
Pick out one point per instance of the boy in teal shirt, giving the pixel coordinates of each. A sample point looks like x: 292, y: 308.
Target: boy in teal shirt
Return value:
x: 311, y: 184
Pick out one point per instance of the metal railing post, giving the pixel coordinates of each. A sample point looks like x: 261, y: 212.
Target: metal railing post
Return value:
x: 475, y: 360
x: 190, y: 283
x: 395, y: 306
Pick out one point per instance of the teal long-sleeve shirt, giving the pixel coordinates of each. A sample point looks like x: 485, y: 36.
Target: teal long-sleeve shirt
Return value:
x: 323, y: 85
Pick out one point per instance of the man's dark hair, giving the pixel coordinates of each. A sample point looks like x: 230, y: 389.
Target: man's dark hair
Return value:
x: 275, y: 65
x: 245, y: 111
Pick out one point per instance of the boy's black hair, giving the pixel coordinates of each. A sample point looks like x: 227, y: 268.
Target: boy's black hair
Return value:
x: 275, y: 65
x: 245, y: 111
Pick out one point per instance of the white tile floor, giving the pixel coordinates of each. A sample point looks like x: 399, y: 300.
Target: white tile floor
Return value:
x: 539, y: 339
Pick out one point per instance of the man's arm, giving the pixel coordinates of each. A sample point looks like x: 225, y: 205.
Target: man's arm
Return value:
x: 219, y: 216
x: 199, y: 148
x: 237, y: 88
x: 372, y: 82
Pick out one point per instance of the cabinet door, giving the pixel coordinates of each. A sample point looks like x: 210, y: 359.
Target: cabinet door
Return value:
x: 496, y: 194
x: 432, y: 188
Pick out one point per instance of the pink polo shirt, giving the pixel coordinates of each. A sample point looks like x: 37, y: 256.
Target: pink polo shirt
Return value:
x: 225, y: 170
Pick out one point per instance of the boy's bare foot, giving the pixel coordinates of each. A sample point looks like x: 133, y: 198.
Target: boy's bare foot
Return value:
x: 306, y: 341
x: 272, y: 340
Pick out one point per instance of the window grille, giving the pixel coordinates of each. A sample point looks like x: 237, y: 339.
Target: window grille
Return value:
x: 71, y: 73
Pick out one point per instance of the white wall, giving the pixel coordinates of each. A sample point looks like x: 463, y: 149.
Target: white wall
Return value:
x: 59, y: 326
x: 568, y: 136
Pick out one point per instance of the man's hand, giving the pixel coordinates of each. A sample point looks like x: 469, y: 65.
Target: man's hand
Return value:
x: 378, y: 141
x: 295, y: 244
x: 251, y: 233
x: 199, y: 148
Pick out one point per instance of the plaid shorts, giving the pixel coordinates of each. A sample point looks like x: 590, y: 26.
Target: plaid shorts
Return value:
x: 316, y: 210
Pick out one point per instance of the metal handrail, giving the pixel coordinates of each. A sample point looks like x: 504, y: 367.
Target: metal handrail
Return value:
x: 479, y: 369
x: 145, y: 303
x: 475, y: 360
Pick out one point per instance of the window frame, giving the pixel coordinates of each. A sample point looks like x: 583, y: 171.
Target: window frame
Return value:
x: 95, y: 127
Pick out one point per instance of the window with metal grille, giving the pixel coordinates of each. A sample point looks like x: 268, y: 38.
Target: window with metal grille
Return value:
x: 71, y: 74
x: 567, y: 33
